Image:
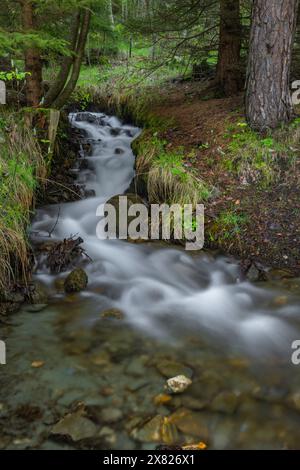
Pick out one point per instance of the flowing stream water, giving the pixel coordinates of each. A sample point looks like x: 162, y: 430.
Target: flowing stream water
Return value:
x: 183, y: 314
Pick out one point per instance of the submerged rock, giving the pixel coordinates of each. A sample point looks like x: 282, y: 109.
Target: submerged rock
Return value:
x: 162, y: 399
x: 15, y: 297
x: 76, y: 281
x: 111, y: 415
x: 253, y: 273
x: 149, y: 431
x: 294, y: 400
x: 75, y: 426
x: 279, y: 274
x: 172, y: 369
x: 36, y: 308
x: 157, y: 430
x: 194, y: 403
x: 108, y: 435
x: 113, y: 313
x: 178, y: 384
x: 136, y: 368
x: 225, y: 402
x: 190, y: 423
x: 39, y: 295
x: 169, y: 432
x: 199, y: 446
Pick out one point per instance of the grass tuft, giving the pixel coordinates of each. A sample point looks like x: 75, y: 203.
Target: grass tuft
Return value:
x: 21, y: 164
x: 168, y: 179
x: 262, y: 160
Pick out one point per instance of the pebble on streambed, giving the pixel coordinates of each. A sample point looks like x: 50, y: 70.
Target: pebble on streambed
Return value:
x: 178, y: 384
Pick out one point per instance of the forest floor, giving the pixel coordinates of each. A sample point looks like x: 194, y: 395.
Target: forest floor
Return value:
x: 248, y: 218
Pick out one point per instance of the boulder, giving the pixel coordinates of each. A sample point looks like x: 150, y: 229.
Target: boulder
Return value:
x: 76, y: 281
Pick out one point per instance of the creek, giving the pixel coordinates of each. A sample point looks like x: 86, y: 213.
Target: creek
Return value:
x: 181, y: 314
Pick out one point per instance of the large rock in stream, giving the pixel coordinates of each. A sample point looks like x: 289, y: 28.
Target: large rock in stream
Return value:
x: 76, y: 281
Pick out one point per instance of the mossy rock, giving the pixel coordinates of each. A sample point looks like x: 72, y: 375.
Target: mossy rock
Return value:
x: 39, y: 295
x: 76, y: 281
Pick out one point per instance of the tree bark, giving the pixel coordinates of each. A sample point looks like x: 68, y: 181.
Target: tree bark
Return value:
x: 33, y: 63
x: 70, y: 86
x: 110, y: 13
x: 229, y: 75
x: 268, y: 97
x: 66, y: 65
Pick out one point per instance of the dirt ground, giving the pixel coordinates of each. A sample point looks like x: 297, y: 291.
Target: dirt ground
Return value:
x: 271, y: 235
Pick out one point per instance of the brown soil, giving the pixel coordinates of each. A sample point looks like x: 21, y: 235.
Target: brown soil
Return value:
x: 271, y: 234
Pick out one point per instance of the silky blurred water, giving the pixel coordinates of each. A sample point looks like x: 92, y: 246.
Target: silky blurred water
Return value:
x: 193, y: 310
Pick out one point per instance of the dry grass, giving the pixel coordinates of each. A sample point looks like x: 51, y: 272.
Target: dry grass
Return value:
x: 168, y: 179
x: 164, y: 186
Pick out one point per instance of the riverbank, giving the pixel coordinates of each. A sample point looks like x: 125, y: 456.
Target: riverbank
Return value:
x: 23, y: 170
x: 197, y: 145
x: 160, y: 349
x: 194, y: 148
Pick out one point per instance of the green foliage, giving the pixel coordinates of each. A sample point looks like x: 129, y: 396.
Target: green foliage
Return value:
x: 20, y: 165
x: 12, y: 75
x: 82, y: 96
x: 169, y: 179
x: 15, y: 43
x: 258, y: 159
x: 231, y: 223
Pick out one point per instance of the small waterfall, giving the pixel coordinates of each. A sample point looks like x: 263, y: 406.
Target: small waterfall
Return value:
x: 162, y: 291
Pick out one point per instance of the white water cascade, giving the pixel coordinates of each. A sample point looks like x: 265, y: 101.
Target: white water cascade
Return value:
x: 163, y: 291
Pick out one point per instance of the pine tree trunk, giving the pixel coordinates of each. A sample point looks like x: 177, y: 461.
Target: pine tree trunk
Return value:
x: 110, y: 12
x: 33, y: 63
x: 70, y: 86
x: 229, y: 75
x: 66, y: 65
x: 268, y: 97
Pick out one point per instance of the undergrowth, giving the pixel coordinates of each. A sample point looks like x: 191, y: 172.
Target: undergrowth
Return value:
x: 263, y: 160
x: 21, y: 165
x: 168, y: 178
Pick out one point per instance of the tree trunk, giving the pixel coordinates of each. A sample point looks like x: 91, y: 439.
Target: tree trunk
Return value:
x: 33, y: 63
x: 229, y: 75
x: 110, y: 13
x: 70, y: 86
x: 268, y: 97
x: 66, y: 65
